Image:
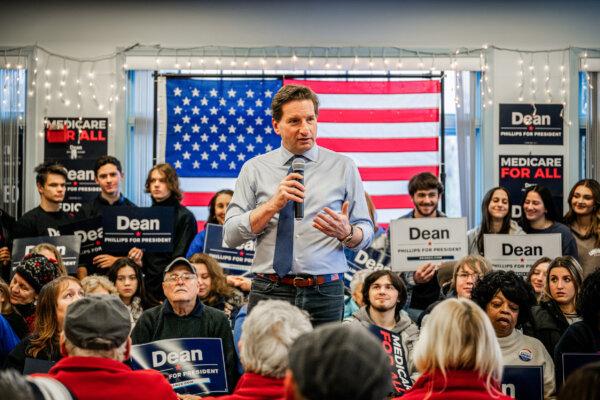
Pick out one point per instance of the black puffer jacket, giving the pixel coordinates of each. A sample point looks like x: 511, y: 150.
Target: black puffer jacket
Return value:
x: 548, y: 324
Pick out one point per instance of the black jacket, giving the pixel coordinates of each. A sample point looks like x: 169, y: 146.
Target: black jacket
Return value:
x: 94, y: 209
x: 580, y: 337
x: 184, y: 230
x: 548, y: 324
x: 17, y: 357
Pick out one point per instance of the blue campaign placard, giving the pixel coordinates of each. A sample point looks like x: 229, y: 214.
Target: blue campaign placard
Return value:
x: 573, y: 361
x: 67, y: 245
x: 392, y: 345
x: 148, y: 228
x: 237, y: 261
x: 191, y: 365
x: 368, y: 258
x: 89, y: 231
x: 523, y: 382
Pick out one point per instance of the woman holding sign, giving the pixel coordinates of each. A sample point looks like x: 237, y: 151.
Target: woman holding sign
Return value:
x: 507, y: 299
x: 495, y: 218
x: 539, y: 216
x: 583, y: 218
x: 553, y: 316
x: 216, y: 215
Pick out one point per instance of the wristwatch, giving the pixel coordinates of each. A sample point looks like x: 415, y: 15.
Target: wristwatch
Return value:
x: 348, y: 238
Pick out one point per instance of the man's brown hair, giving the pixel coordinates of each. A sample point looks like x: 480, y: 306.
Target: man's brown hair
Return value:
x: 292, y: 93
x: 171, y: 177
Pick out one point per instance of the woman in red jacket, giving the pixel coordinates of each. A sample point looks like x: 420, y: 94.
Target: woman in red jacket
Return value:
x: 458, y: 355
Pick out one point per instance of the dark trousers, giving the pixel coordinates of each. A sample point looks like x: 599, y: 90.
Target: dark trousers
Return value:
x: 324, y: 303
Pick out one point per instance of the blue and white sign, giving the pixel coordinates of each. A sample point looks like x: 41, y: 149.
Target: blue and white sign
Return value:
x: 523, y: 382
x: 67, y: 246
x: 148, y: 228
x: 89, y: 231
x: 191, y: 365
x: 369, y: 258
x: 236, y: 260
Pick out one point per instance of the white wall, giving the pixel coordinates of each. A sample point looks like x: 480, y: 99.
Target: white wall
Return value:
x: 87, y: 29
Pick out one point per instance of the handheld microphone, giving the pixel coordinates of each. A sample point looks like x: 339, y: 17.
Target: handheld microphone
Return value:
x: 298, y: 167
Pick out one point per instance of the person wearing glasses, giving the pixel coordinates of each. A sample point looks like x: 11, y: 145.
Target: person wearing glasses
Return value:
x: 183, y: 315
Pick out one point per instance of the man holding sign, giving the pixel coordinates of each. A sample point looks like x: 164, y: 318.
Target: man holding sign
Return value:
x: 96, y: 341
x: 303, y: 204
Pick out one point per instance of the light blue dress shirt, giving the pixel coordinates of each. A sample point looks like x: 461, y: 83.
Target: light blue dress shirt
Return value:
x: 329, y: 180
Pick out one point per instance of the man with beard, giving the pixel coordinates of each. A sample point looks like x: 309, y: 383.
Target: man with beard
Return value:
x: 44, y: 219
x: 425, y: 190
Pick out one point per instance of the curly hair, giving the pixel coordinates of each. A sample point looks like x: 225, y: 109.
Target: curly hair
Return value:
x: 396, y: 282
x: 512, y: 286
x: 589, y: 298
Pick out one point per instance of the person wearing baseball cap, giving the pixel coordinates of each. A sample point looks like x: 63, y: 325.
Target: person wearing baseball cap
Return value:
x: 95, y: 341
x: 182, y: 315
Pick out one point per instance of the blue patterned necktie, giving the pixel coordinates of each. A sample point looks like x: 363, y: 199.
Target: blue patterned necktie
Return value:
x: 284, y: 244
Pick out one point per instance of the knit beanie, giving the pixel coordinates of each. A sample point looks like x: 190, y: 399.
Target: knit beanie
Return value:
x: 37, y: 270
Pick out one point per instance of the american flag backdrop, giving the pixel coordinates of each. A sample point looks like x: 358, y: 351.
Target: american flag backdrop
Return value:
x: 389, y: 128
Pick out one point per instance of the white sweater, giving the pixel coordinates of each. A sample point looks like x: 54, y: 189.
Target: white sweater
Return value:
x: 519, y: 349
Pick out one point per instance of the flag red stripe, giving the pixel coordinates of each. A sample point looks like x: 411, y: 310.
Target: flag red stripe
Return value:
x: 200, y: 225
x: 380, y: 145
x: 369, y: 87
x: 374, y: 116
x: 392, y: 201
x: 394, y: 173
x: 196, y: 198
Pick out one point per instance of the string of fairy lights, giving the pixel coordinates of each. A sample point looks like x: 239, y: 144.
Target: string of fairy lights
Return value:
x: 71, y: 80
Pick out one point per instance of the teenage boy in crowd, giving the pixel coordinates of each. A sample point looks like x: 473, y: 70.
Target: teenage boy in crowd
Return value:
x: 108, y: 174
x: 45, y: 219
x: 425, y: 190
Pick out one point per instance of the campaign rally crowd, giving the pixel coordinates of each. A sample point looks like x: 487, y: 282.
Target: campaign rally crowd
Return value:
x: 290, y: 329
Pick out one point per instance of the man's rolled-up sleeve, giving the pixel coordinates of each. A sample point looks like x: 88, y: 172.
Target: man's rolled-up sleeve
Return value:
x: 359, y: 211
x: 237, y: 229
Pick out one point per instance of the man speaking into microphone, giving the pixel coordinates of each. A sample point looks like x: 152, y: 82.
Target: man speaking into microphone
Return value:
x: 303, y: 204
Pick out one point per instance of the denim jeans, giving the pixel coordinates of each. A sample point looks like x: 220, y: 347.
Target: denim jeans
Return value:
x: 324, y: 303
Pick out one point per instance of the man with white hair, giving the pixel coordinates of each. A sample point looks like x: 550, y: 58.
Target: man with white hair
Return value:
x: 95, y: 341
x: 269, y: 332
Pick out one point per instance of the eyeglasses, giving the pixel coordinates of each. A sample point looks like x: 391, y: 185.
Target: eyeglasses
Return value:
x: 186, y: 278
x: 464, y: 275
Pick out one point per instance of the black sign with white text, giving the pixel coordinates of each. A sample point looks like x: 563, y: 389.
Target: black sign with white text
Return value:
x: 90, y: 232
x: 518, y: 172
x: 81, y: 186
x: 531, y: 124
x: 148, y: 228
x: 67, y: 246
x: 75, y: 138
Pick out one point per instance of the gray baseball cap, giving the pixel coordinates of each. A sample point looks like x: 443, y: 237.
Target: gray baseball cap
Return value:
x: 180, y: 261
x: 97, y: 322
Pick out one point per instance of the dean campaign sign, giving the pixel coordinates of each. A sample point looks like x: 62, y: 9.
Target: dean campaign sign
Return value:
x: 531, y: 124
x: 517, y: 253
x: 416, y: 241
x: 191, y: 365
x: 148, y: 228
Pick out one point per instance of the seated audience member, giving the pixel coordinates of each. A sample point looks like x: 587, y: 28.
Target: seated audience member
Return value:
x: 384, y: 295
x: 51, y: 253
x: 44, y: 220
x: 8, y: 339
x: 495, y: 218
x: 213, y: 288
x: 467, y: 271
x: 127, y: 277
x: 16, y: 321
x: 583, y: 218
x: 98, y: 284
x: 583, y: 383
x: 539, y: 216
x: 336, y: 362
x: 355, y: 301
x: 94, y: 343
x: 537, y: 277
x: 34, y: 272
x: 163, y: 185
x: 15, y: 386
x: 269, y: 332
x: 43, y: 344
x: 507, y: 300
x: 216, y: 215
x: 582, y: 336
x: 458, y: 355
x: 552, y: 317
x: 183, y: 315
